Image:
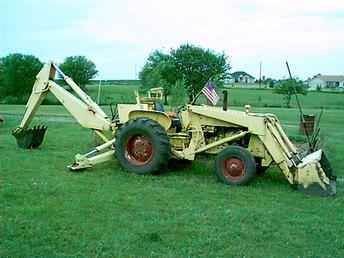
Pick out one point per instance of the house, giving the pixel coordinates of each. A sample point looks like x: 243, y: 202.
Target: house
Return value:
x: 326, y: 82
x: 242, y: 77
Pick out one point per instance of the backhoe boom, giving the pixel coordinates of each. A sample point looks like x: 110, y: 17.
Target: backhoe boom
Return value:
x: 83, y: 109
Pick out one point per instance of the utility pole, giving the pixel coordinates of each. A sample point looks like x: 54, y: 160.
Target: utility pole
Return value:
x: 260, y: 73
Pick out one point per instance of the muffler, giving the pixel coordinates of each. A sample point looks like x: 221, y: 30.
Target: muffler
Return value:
x: 314, y: 175
x: 30, y: 138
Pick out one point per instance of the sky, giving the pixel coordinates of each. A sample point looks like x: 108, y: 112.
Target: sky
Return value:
x: 119, y: 35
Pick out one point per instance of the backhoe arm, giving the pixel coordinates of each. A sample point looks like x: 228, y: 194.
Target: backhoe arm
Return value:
x: 39, y: 92
x: 83, y: 109
x: 87, y: 113
x: 83, y: 96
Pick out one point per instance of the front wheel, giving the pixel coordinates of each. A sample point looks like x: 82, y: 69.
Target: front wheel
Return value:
x: 235, y: 165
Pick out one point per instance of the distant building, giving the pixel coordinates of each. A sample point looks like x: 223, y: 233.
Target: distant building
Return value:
x: 242, y: 77
x: 326, y: 82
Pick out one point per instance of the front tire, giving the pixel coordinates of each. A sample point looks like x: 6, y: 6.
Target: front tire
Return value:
x: 142, y: 146
x: 235, y: 165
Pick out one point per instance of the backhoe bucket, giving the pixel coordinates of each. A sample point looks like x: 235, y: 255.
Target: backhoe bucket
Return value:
x: 314, y: 175
x: 30, y: 138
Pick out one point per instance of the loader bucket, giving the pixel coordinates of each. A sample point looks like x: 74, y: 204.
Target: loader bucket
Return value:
x: 314, y: 175
x: 30, y: 138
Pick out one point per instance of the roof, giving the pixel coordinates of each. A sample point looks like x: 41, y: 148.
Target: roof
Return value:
x: 240, y: 73
x: 156, y: 89
x: 331, y: 78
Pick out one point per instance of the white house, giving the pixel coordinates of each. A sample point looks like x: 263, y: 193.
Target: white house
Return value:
x: 242, y: 77
x: 326, y: 81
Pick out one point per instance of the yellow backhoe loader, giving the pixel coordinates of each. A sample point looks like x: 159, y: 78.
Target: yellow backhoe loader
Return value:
x: 145, y: 137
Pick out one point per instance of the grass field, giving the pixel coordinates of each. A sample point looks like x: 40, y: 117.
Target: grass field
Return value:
x: 107, y: 212
x: 119, y: 93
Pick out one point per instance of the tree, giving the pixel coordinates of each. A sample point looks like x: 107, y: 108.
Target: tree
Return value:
x: 194, y: 65
x: 269, y: 82
x: 159, y: 71
x: 198, y: 65
x: 80, y: 69
x: 288, y: 88
x: 18, y: 73
x: 178, y: 94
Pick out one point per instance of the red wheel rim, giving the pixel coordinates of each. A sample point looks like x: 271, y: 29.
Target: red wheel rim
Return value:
x: 233, y: 168
x: 138, y: 150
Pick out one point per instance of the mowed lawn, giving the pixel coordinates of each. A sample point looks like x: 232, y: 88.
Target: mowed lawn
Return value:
x: 106, y: 212
x: 119, y: 93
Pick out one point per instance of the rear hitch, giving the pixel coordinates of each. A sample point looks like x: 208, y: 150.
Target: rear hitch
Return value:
x: 30, y: 138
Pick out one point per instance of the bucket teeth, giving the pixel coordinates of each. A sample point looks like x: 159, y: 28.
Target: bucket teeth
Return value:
x: 30, y: 138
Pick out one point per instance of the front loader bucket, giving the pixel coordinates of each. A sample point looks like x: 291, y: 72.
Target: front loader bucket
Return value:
x: 314, y: 175
x: 30, y: 138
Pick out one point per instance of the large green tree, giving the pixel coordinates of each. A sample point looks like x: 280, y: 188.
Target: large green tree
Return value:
x: 288, y: 88
x: 198, y: 65
x: 159, y: 71
x: 194, y: 65
x: 80, y: 69
x: 17, y: 74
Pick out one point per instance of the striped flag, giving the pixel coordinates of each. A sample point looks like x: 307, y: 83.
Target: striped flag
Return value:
x: 209, y: 91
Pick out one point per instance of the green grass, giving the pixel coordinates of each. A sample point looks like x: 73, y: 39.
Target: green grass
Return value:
x: 237, y: 97
x: 107, y: 212
x: 119, y: 93
x: 267, y: 98
x: 114, y: 93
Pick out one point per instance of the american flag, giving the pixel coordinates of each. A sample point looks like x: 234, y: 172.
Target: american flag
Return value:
x: 209, y: 91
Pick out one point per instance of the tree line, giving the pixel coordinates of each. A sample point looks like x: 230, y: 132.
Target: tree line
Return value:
x: 18, y: 72
x: 187, y: 68
x: 188, y: 65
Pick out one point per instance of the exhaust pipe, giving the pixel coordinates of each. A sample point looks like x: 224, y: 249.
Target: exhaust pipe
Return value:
x: 225, y: 100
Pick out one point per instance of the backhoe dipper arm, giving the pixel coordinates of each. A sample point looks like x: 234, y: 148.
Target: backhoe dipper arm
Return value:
x: 39, y: 92
x: 83, y: 109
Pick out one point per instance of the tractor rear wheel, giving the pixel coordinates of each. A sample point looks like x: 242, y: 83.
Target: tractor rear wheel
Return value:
x: 142, y: 146
x: 235, y: 165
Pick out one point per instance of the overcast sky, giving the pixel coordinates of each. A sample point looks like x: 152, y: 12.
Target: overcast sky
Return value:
x: 118, y: 35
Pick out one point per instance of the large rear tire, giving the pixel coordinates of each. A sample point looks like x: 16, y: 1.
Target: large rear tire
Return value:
x: 235, y: 165
x: 142, y: 146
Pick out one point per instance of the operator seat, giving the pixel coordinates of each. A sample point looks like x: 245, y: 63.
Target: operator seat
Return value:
x: 158, y: 106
